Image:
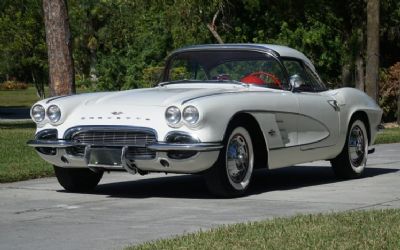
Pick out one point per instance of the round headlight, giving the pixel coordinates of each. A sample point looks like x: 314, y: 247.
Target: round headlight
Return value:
x: 38, y: 113
x: 190, y: 115
x: 173, y: 115
x: 54, y: 113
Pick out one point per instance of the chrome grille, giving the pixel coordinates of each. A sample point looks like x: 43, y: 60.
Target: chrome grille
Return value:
x: 135, y: 139
x: 142, y: 153
x: 114, y: 138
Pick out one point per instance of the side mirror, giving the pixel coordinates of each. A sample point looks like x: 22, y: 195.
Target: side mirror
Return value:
x: 296, y: 82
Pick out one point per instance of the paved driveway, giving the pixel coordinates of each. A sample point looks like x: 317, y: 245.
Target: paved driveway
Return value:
x: 128, y: 209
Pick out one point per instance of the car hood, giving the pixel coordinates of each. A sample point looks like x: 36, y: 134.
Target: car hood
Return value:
x: 159, y: 96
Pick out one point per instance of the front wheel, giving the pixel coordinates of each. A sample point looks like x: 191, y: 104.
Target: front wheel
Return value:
x: 77, y: 179
x: 231, y: 174
x: 351, y: 162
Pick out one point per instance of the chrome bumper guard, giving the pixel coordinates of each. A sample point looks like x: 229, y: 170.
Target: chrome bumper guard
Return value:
x: 116, y: 158
x: 134, y: 149
x: 161, y: 147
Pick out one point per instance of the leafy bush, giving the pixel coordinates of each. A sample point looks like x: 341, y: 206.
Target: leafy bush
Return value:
x: 151, y: 76
x: 389, y: 88
x: 13, y: 85
x: 83, y: 82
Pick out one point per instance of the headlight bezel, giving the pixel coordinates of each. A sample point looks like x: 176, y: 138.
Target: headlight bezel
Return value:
x: 42, y: 111
x: 173, y: 111
x: 53, y: 113
x: 192, y: 113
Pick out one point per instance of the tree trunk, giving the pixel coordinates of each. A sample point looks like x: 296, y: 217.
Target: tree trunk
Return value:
x: 398, y: 107
x: 372, y: 67
x: 360, y: 73
x: 359, y: 61
x: 59, y: 50
x: 346, y: 76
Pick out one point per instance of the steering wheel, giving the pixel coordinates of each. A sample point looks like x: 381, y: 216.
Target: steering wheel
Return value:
x: 255, y: 78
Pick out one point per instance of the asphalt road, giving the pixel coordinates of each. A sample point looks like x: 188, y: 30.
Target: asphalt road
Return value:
x: 128, y: 209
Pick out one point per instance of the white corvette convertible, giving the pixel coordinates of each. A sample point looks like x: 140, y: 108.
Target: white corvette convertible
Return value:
x: 221, y: 111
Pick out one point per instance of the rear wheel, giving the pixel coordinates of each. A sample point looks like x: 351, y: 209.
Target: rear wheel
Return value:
x: 351, y: 162
x: 77, y: 179
x: 231, y: 174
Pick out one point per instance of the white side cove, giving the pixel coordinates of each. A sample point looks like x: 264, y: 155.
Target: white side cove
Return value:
x: 288, y: 143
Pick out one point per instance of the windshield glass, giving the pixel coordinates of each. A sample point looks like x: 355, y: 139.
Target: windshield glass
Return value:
x: 221, y: 66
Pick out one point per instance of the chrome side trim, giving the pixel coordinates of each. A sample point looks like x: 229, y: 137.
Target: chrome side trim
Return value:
x: 172, y: 133
x: 50, y: 143
x: 55, y: 98
x: 200, y: 147
x: 214, y: 94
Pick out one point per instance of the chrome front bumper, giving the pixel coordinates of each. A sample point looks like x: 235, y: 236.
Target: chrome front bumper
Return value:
x: 207, y: 154
x: 163, y: 147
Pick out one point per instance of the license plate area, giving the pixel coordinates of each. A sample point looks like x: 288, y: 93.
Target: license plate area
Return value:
x: 110, y: 156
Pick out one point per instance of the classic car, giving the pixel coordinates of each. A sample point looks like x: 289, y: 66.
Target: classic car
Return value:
x: 219, y: 110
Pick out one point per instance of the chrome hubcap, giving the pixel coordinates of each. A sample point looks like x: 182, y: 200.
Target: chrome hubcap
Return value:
x: 237, y: 158
x: 357, y: 146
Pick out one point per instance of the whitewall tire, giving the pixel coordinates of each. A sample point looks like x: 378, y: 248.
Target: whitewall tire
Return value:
x: 351, y: 162
x: 232, y: 173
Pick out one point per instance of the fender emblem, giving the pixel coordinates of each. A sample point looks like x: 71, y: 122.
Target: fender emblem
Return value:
x: 116, y: 113
x: 334, y: 104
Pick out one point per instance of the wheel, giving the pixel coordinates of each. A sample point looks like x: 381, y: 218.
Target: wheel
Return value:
x: 350, y: 163
x: 231, y: 174
x: 77, y: 179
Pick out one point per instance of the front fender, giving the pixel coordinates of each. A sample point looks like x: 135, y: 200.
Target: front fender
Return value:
x: 351, y: 101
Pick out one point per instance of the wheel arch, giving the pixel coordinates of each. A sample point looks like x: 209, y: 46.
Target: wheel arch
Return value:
x: 362, y: 115
x: 260, y: 146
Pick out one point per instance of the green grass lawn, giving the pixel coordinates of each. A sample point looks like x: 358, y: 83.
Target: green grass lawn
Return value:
x: 22, y: 98
x: 389, y: 135
x: 349, y: 230
x: 17, y: 160
x: 18, y: 98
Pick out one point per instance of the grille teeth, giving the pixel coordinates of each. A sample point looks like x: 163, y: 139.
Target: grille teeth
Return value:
x: 114, y: 138
x: 137, y: 142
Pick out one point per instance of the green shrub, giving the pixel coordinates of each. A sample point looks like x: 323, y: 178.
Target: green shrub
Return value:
x: 13, y: 85
x: 389, y: 88
x: 151, y: 76
x: 83, y: 82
